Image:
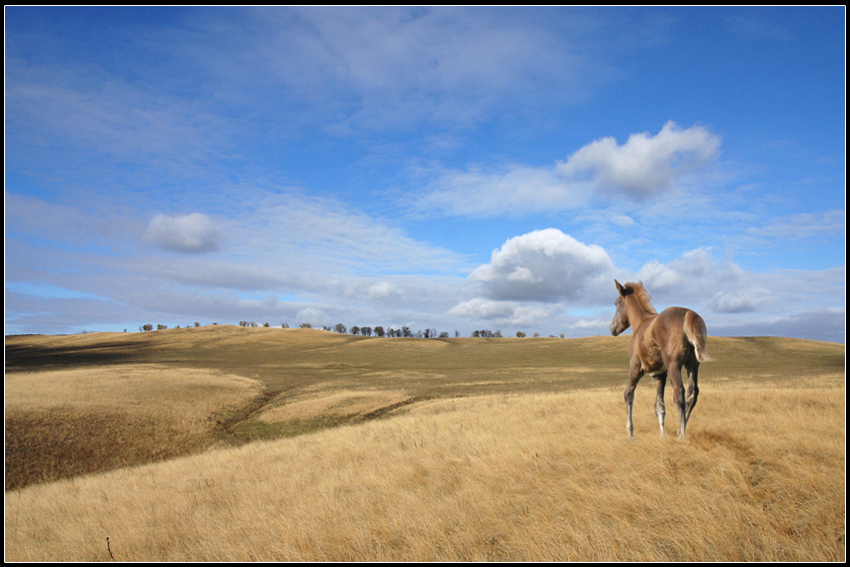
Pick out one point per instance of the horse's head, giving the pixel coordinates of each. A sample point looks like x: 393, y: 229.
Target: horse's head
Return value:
x: 621, y: 317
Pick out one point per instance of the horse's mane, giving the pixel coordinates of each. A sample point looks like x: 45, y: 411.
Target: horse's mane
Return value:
x: 643, y: 297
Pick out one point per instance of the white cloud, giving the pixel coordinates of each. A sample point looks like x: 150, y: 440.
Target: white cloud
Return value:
x: 600, y: 324
x: 314, y: 316
x: 684, y: 272
x: 194, y: 233
x: 382, y: 290
x: 530, y: 279
x: 739, y: 301
x: 544, y: 265
x: 503, y: 312
x: 645, y: 165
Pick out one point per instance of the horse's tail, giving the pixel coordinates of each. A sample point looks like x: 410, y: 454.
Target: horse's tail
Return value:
x: 696, y: 333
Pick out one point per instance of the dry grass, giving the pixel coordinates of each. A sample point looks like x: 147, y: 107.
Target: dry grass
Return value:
x: 509, y: 450
x: 503, y: 477
x: 62, y: 423
x: 340, y: 404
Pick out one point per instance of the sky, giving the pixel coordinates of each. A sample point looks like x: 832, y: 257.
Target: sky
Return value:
x: 448, y: 168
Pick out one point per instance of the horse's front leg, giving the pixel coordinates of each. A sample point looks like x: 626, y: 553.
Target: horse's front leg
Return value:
x: 635, y: 374
x: 661, y: 382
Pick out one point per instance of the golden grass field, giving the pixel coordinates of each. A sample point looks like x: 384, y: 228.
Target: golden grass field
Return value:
x: 231, y: 444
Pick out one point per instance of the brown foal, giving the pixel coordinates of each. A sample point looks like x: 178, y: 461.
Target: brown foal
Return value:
x: 660, y: 346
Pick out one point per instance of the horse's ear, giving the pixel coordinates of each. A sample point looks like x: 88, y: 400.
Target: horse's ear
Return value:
x: 619, y: 287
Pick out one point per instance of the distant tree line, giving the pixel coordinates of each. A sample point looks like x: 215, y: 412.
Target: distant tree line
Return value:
x: 366, y: 331
x: 149, y: 327
x: 391, y: 332
x: 487, y: 333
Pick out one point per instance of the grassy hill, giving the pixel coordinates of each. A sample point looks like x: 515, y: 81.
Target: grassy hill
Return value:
x: 413, y: 449
x: 293, y: 358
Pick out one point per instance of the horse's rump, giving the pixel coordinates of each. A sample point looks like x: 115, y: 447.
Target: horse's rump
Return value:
x: 696, y: 332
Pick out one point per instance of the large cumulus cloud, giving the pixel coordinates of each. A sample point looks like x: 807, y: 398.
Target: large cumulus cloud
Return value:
x: 544, y: 265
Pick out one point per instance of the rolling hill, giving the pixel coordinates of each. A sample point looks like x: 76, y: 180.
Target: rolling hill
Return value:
x: 231, y: 443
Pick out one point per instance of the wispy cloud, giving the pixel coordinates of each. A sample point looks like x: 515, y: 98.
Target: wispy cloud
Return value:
x: 803, y: 225
x: 397, y: 68
x: 290, y: 229
x: 514, y: 190
x: 86, y: 109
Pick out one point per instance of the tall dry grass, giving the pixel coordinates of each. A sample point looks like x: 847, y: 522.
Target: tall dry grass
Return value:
x: 514, y: 477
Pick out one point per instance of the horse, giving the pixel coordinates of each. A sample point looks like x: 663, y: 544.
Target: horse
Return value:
x: 660, y: 346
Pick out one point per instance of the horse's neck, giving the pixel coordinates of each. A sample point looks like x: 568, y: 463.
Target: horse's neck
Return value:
x: 638, y: 315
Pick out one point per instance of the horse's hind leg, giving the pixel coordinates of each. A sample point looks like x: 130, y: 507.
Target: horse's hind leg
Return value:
x: 661, y: 382
x: 693, y: 389
x: 675, y: 372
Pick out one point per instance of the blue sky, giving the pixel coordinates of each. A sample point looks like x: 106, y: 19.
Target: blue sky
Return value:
x: 447, y: 168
